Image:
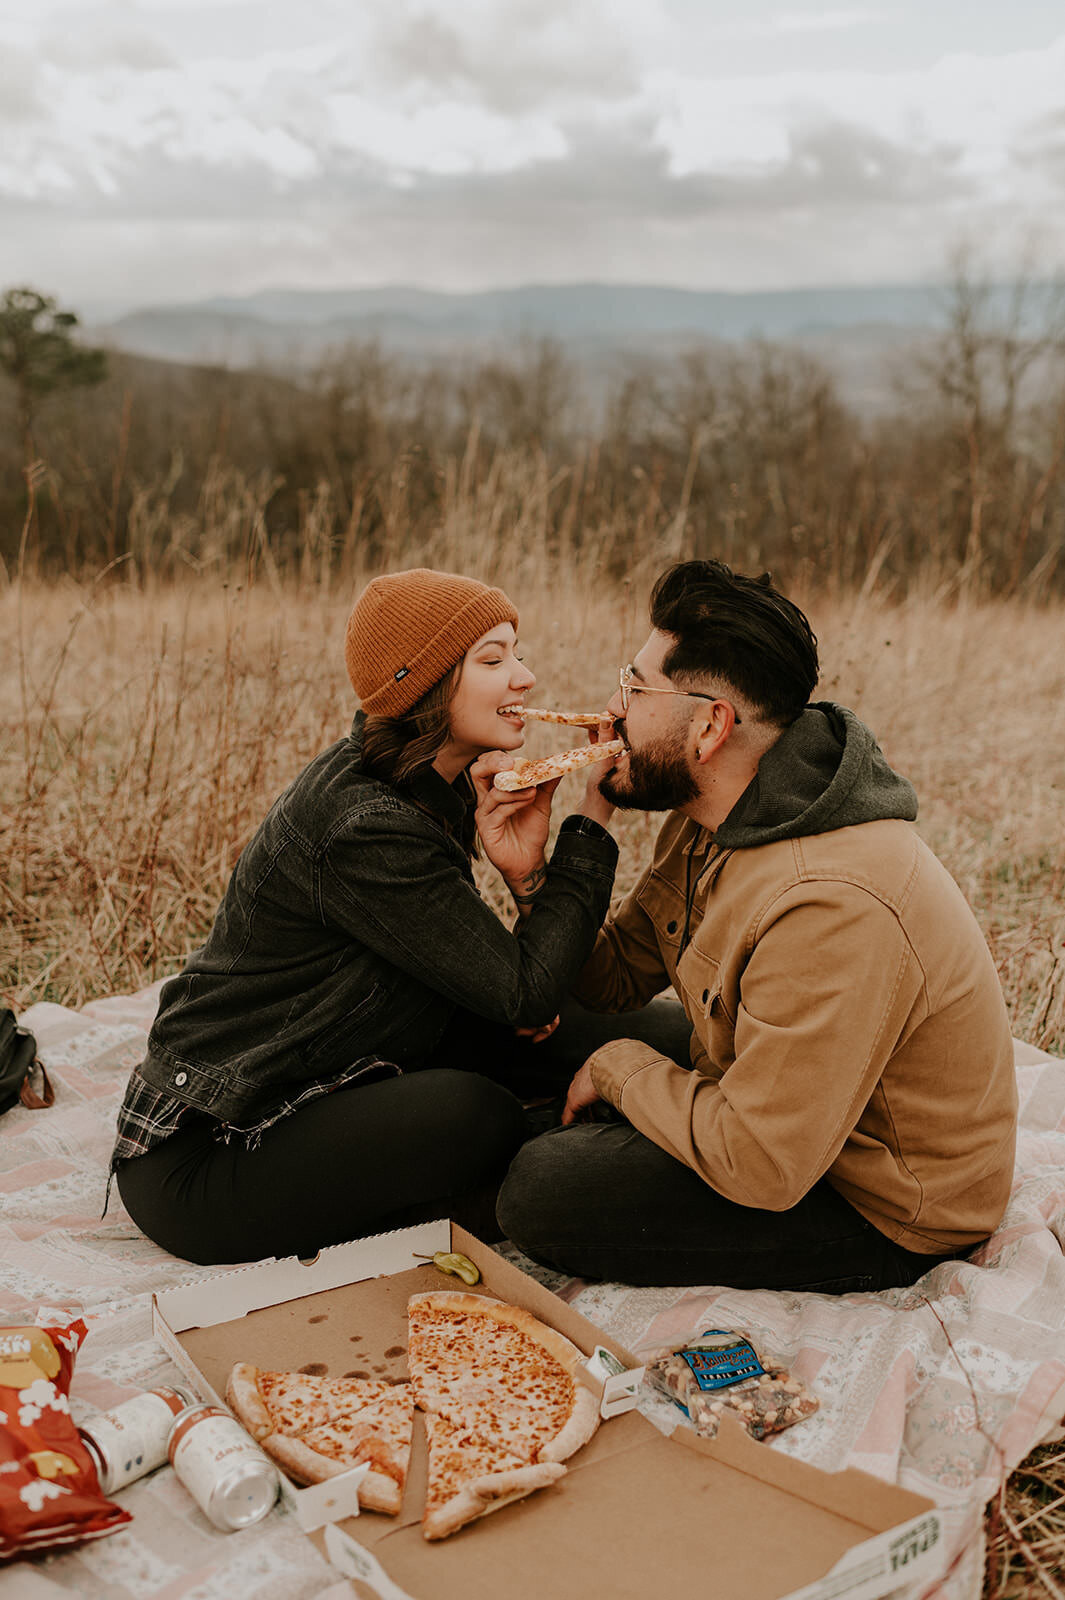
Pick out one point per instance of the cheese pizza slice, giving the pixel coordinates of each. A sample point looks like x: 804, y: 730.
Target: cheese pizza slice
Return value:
x: 318, y: 1427
x: 498, y: 1372
x: 470, y: 1476
x: 571, y: 719
x: 378, y: 1433
x: 527, y: 774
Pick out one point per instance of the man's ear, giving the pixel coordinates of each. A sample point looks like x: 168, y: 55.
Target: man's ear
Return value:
x: 712, y: 730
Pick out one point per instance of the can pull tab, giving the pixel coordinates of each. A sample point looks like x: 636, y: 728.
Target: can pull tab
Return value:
x: 355, y: 1561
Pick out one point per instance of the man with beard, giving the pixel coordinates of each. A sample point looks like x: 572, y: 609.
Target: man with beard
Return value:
x: 846, y: 1115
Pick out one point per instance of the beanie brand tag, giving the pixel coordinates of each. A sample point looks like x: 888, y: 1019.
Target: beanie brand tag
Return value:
x: 401, y: 674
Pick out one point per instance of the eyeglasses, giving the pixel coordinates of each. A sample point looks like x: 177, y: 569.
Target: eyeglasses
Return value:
x: 629, y: 688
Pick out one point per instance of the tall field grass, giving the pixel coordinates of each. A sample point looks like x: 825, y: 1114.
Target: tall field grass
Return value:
x: 148, y: 721
x: 147, y: 728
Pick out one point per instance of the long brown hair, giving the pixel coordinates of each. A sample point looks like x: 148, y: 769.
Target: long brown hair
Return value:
x: 396, y: 749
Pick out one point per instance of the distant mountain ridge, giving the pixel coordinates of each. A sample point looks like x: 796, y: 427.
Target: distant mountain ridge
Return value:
x: 582, y: 310
x: 858, y: 332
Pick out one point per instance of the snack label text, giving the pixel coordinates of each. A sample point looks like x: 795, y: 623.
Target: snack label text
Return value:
x: 715, y: 1365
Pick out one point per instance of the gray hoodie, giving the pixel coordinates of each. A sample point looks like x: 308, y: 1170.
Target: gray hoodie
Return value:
x: 826, y: 771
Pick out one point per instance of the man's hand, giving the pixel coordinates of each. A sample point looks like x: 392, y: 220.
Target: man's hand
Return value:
x: 513, y: 827
x: 595, y: 804
x: 545, y: 1031
x: 582, y: 1094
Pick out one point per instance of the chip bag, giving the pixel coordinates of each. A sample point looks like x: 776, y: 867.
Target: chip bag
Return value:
x: 721, y: 1373
x: 49, y: 1491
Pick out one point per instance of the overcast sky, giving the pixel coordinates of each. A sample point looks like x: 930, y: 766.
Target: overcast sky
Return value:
x: 155, y: 150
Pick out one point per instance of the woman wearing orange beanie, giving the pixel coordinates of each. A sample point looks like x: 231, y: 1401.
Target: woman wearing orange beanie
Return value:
x: 335, y: 1060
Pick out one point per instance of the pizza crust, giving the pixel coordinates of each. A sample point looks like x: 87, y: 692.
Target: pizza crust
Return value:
x: 491, y: 1492
x: 583, y: 1421
x: 377, y: 1491
x: 246, y: 1403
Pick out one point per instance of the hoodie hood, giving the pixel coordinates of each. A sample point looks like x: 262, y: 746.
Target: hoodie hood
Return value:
x: 826, y: 771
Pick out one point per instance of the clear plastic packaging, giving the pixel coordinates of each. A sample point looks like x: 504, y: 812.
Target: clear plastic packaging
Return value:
x: 720, y: 1372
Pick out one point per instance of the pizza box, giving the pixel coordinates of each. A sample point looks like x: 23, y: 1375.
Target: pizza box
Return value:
x: 728, y: 1517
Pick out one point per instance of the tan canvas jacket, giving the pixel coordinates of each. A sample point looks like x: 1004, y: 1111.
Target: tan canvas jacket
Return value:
x: 847, y: 1021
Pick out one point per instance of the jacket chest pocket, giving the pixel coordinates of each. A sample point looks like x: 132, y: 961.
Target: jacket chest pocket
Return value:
x: 664, y: 904
x: 699, y: 981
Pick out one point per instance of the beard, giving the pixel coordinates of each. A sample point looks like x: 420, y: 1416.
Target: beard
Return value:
x: 657, y: 778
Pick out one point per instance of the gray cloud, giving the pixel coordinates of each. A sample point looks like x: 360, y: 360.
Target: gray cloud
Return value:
x: 542, y: 52
x: 615, y: 176
x: 1043, y: 150
x: 622, y: 173
x: 841, y: 164
x: 21, y: 97
x: 109, y: 44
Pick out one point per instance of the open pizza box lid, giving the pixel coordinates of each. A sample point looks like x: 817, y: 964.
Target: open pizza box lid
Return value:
x: 635, y: 1510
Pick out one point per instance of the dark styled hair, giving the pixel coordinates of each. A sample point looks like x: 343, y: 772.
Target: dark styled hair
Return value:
x: 740, y: 631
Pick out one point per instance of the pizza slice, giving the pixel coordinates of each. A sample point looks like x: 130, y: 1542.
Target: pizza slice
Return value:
x: 316, y: 1428
x: 499, y: 1373
x: 379, y: 1434
x: 470, y: 1476
x: 527, y: 774
x: 262, y: 1400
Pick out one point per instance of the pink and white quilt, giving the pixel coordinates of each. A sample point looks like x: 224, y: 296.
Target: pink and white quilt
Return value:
x: 942, y: 1388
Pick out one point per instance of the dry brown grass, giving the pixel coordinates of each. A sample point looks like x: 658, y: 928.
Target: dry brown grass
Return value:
x: 144, y: 732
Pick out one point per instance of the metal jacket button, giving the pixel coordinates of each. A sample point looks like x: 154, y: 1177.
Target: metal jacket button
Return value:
x: 183, y: 1077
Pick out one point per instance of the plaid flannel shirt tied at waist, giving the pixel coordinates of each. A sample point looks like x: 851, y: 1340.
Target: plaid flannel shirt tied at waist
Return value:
x: 149, y: 1115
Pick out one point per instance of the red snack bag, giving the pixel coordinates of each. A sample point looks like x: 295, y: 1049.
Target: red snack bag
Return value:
x: 49, y: 1491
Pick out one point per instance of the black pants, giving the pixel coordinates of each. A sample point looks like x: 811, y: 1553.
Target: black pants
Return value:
x: 602, y: 1201
x: 598, y: 1200
x: 435, y: 1142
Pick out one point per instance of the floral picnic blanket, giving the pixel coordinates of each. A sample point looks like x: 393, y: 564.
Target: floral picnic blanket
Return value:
x: 942, y: 1388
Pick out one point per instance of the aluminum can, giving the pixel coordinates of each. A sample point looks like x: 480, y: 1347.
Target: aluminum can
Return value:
x: 232, y: 1481
x: 130, y: 1440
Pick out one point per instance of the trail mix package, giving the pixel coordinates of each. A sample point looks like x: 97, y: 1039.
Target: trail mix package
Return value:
x: 49, y: 1491
x: 722, y: 1372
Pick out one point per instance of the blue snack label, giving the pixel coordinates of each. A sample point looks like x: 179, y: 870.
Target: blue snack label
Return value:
x: 717, y: 1360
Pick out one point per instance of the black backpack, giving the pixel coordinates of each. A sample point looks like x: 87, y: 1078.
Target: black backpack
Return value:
x: 18, y: 1057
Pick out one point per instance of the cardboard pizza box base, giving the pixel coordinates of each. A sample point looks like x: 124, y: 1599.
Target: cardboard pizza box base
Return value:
x: 636, y: 1510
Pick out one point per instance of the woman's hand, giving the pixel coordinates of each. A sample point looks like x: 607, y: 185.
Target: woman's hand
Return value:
x: 513, y: 827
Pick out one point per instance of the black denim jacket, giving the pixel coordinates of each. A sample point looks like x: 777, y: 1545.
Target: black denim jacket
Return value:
x: 351, y: 928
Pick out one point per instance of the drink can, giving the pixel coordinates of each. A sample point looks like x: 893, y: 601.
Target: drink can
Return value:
x: 130, y: 1440
x: 232, y: 1481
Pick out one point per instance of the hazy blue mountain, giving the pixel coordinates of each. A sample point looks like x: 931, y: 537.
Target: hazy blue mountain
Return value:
x: 595, y: 309
x: 861, y: 334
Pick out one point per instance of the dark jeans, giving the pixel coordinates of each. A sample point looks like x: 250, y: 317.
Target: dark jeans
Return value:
x: 435, y: 1142
x: 601, y: 1201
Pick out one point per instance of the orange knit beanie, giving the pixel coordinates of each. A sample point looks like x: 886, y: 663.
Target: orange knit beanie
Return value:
x: 408, y: 628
